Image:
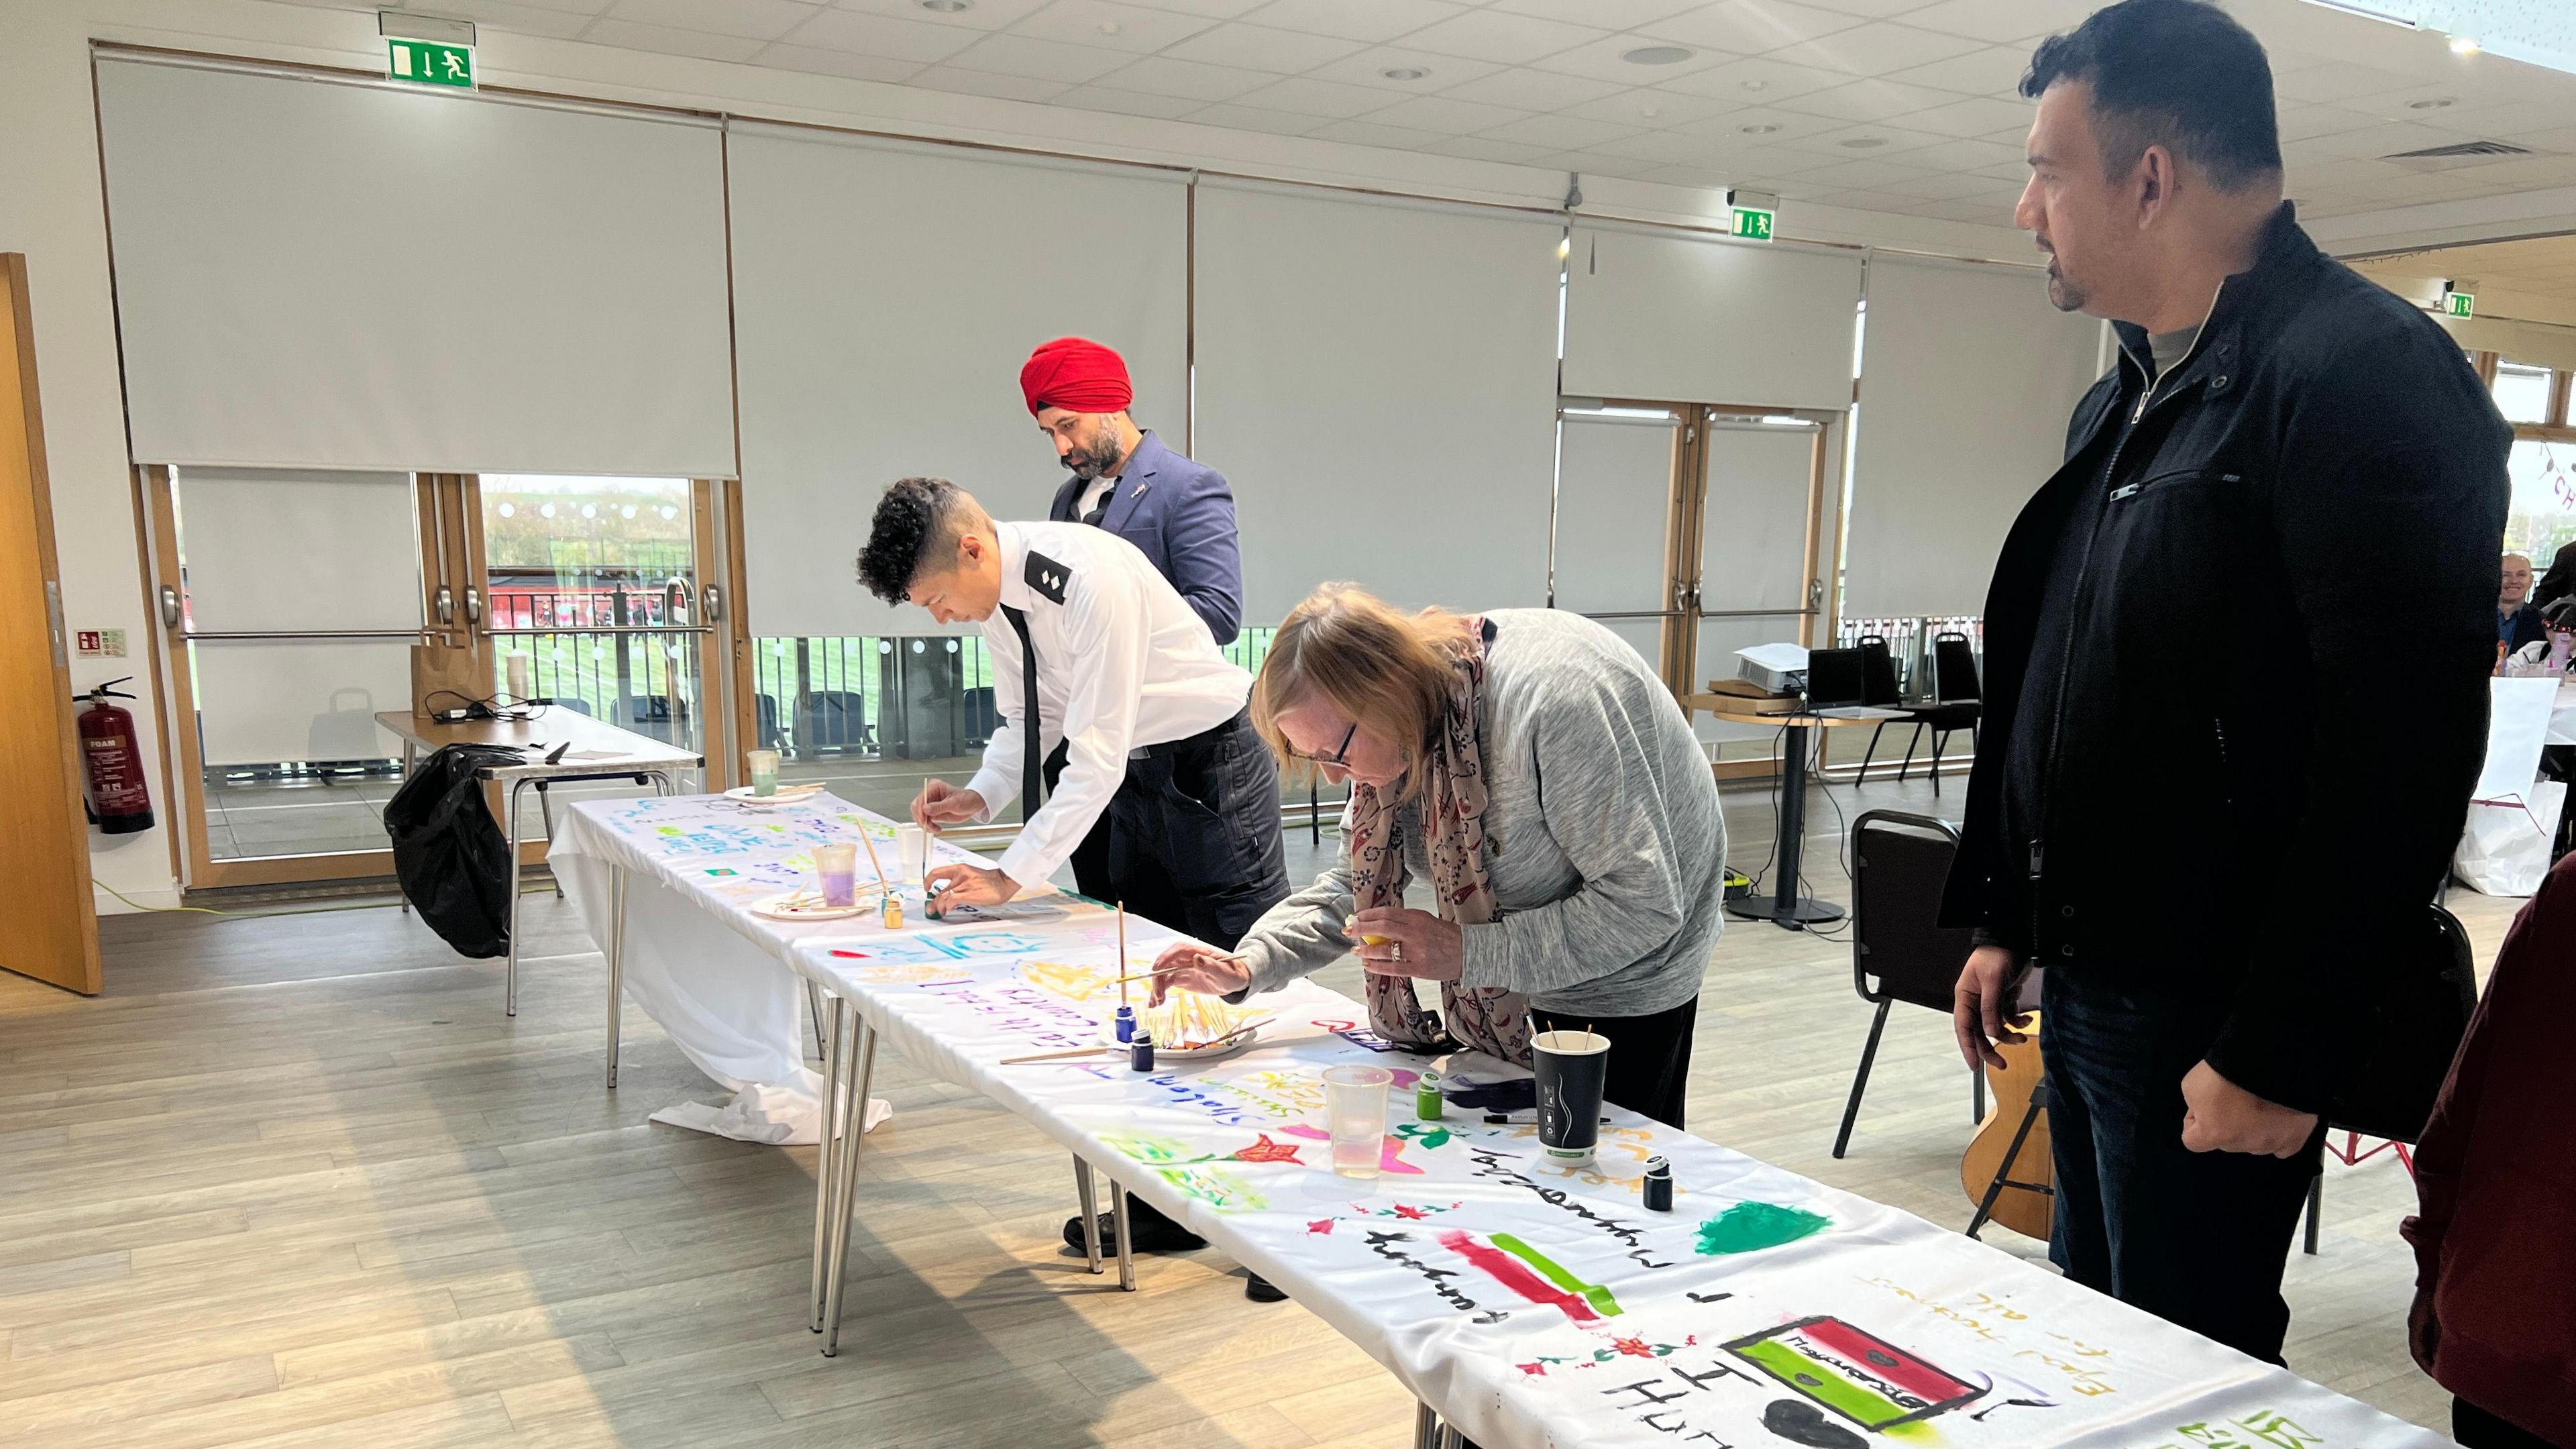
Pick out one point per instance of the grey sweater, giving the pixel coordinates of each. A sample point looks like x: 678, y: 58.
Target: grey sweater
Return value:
x: 1603, y: 838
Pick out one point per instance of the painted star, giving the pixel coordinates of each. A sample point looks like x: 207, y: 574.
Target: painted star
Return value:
x: 1320, y: 1225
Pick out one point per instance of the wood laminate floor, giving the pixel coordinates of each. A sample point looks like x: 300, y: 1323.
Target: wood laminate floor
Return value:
x: 296, y: 1181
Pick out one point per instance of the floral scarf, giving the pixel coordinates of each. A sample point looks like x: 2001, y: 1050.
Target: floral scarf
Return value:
x: 1489, y: 1019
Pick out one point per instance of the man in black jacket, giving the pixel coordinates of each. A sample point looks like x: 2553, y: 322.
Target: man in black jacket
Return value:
x: 2289, y: 492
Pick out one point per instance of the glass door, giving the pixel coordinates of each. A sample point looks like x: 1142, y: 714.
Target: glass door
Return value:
x: 1617, y: 466
x: 1755, y: 567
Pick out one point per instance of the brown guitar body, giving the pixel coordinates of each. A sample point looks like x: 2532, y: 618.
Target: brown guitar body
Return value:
x: 2008, y: 1090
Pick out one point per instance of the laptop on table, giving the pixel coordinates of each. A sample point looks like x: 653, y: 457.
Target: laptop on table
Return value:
x: 1835, y: 688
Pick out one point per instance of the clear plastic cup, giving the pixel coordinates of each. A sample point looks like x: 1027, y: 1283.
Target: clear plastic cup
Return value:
x: 838, y: 865
x: 912, y: 852
x: 764, y: 771
x: 1355, y: 1109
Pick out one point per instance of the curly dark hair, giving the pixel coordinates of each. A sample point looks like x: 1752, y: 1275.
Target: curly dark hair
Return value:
x: 915, y: 515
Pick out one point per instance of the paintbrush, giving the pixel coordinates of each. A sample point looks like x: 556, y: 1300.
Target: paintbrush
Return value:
x: 1122, y: 953
x: 873, y: 863
x: 1061, y: 1056
x: 1150, y: 975
x: 1229, y: 1036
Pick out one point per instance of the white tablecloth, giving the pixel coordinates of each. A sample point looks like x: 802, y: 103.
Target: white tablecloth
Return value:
x: 699, y: 962
x: 1534, y: 1305
x: 2562, y: 716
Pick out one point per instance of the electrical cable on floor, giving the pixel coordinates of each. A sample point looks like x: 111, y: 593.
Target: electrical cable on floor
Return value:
x: 538, y: 888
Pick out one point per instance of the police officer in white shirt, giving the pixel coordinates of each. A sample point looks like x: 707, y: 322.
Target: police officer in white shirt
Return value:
x: 1125, y: 674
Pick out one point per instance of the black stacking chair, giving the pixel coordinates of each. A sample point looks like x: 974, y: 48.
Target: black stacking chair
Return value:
x: 833, y: 720
x: 1956, y: 705
x: 1899, y: 865
x: 2462, y: 974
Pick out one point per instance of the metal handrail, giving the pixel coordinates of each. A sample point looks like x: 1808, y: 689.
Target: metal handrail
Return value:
x: 195, y: 634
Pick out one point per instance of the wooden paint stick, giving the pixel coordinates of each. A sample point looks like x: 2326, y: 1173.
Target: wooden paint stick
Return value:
x: 1122, y: 952
x: 1060, y: 1056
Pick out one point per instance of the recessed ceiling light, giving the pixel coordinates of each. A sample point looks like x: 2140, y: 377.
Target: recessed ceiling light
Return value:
x: 1657, y: 55
x: 2434, y: 103
x: 1757, y: 85
x: 1650, y: 112
x: 2464, y: 45
x: 947, y: 7
x: 1758, y: 128
x: 1862, y: 143
x: 1404, y: 72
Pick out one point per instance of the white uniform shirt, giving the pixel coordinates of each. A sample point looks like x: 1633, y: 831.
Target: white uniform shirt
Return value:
x: 1122, y: 664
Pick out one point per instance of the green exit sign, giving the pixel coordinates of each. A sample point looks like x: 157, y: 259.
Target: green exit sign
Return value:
x: 429, y: 63
x: 2460, y: 304
x: 1753, y: 223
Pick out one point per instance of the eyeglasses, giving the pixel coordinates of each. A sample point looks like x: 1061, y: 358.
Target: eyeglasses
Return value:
x: 1341, y: 752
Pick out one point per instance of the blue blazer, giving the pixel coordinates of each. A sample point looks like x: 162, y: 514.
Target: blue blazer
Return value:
x: 1182, y: 515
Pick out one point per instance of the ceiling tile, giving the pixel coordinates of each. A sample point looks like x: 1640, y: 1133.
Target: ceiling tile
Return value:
x: 1121, y: 101
x: 2337, y: 81
x: 1615, y: 14
x: 1875, y: 49
x: 1995, y: 71
x: 1561, y: 133
x: 1973, y: 211
x: 1252, y: 118
x: 882, y: 36
x: 1331, y: 100
x: 1655, y: 108
x: 1212, y: 9
x: 1160, y: 75
x: 987, y: 83
x: 1939, y: 186
x: 1110, y: 26
x: 1601, y: 61
x: 1970, y: 155
x: 1750, y: 27
x: 1975, y: 116
x: 1766, y: 127
x: 2002, y: 20
x: 983, y: 15
x: 1007, y: 54
x: 1371, y: 20
x: 1868, y: 100
x: 1879, y: 201
x: 1258, y: 47
x: 1370, y: 67
x: 633, y: 35
x: 518, y: 19
x: 1757, y: 81
x: 1893, y: 141
x: 1478, y: 148
x: 759, y: 19
x: 1592, y: 163
x: 569, y: 7
x: 817, y: 61
x: 1532, y: 90
x: 1451, y: 118
x: 1667, y: 147
x: 1370, y: 133
x: 1495, y: 36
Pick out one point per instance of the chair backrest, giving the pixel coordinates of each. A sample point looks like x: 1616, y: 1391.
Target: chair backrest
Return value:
x: 833, y: 718
x: 2463, y: 970
x: 1900, y: 862
x: 1954, y: 669
x: 767, y: 710
x: 1878, y: 684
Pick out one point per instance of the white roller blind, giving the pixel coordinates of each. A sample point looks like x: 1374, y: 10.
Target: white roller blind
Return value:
x: 1753, y: 533
x: 313, y: 274
x: 1379, y: 382
x: 1691, y: 319
x: 277, y: 550
x: 885, y: 299
x: 1613, y: 505
x: 1968, y: 376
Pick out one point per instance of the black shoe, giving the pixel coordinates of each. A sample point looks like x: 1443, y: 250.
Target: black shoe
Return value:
x: 1147, y: 1232
x: 1262, y: 1290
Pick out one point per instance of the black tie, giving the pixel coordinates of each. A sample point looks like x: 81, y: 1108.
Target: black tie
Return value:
x: 1101, y: 510
x: 1030, y: 769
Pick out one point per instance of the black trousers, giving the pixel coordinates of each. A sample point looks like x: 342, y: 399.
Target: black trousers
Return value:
x: 1191, y: 839
x: 2196, y: 1238
x: 1649, y: 1068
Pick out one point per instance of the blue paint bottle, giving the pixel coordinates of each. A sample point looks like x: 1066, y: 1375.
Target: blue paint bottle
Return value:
x: 1140, y: 1054
x: 1125, y: 1023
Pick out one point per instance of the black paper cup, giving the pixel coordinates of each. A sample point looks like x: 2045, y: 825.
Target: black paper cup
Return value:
x: 1571, y: 1067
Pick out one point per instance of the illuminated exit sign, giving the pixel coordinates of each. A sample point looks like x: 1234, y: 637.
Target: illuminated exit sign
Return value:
x: 2460, y: 304
x: 1753, y: 223
x: 429, y: 62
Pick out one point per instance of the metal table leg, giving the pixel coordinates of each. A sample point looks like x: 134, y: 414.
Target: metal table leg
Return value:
x: 616, y: 962
x: 1118, y: 1220
x: 1450, y: 1438
x: 814, y: 1012
x: 510, y: 836
x: 854, y: 1117
x: 1426, y: 1427
x: 836, y: 1065
x: 1090, y: 1211
x: 546, y: 817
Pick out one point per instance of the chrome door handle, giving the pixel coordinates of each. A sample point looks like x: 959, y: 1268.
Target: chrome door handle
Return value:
x: 445, y: 602
x: 714, y: 597
x: 169, y: 606
x: 678, y: 602
x: 473, y: 604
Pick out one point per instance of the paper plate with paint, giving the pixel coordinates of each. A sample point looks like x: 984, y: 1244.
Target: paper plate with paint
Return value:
x: 1191, y: 1027
x: 786, y: 795
x: 807, y: 906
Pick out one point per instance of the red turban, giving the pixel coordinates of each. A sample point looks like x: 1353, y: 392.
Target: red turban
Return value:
x: 1078, y: 375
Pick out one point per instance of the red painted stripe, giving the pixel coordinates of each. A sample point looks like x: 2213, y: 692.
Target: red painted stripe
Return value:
x: 1512, y: 1273
x: 1886, y: 1361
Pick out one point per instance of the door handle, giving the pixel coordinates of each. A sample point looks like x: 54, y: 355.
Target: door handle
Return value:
x: 677, y: 601
x: 169, y: 606
x: 714, y: 598
x: 445, y: 602
x: 473, y: 604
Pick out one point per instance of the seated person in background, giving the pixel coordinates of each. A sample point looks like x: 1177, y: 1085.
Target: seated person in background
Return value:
x: 2560, y: 582
x: 2517, y: 621
x: 1532, y: 767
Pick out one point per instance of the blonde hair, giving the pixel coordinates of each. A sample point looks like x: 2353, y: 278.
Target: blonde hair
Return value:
x: 1389, y: 672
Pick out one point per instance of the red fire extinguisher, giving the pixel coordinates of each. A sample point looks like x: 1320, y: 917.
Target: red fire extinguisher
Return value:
x: 119, y: 801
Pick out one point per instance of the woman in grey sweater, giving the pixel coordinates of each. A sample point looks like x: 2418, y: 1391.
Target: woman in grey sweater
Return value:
x: 1531, y: 766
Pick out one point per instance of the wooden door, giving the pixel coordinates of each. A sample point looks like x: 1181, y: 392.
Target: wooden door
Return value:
x: 44, y: 838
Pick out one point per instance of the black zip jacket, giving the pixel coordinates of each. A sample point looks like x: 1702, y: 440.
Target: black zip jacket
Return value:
x: 2274, y: 572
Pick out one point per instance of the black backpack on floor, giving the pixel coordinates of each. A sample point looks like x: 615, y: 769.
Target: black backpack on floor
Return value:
x: 448, y: 853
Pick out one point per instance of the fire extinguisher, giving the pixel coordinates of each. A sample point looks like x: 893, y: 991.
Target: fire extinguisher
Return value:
x: 113, y: 787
